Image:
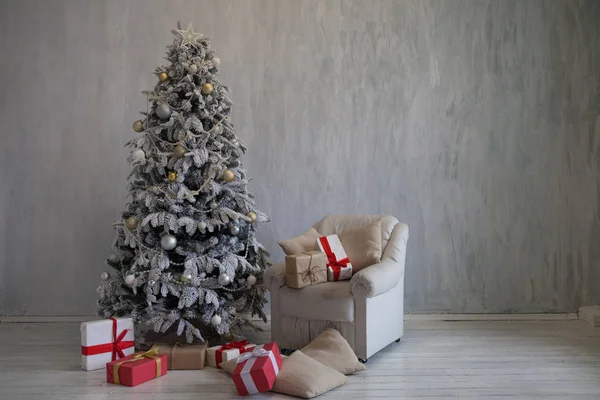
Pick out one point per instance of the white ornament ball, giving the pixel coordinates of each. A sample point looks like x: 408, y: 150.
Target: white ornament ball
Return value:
x: 186, y: 278
x: 215, y: 320
x: 251, y: 280
x: 216, y: 61
x: 104, y: 276
x: 138, y: 155
x: 129, y: 279
x: 192, y: 69
x: 234, y: 230
x: 163, y: 111
x: 202, y: 226
x: 168, y: 242
x: 224, y: 279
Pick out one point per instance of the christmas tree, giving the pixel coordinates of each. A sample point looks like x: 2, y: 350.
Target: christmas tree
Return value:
x: 185, y: 254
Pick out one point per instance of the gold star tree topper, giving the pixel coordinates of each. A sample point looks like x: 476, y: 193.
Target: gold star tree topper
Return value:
x: 188, y: 36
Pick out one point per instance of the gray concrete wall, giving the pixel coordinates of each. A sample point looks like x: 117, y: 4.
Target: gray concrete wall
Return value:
x: 475, y: 122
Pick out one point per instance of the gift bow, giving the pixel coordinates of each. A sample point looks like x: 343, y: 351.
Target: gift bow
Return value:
x: 335, y: 264
x: 152, y: 354
x: 234, y: 345
x: 256, y: 353
x: 311, y: 273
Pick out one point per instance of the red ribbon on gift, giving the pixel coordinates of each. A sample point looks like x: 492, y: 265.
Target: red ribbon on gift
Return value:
x: 335, y: 264
x: 117, y: 346
x: 230, y: 346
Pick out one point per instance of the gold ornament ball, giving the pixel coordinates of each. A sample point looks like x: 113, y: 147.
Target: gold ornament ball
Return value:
x: 138, y: 126
x: 207, y: 89
x: 163, y: 76
x: 172, y: 176
x: 131, y: 223
x: 252, y: 216
x: 179, y: 151
x: 228, y: 175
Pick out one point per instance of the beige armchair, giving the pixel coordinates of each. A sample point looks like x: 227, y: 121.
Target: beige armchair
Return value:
x: 367, y: 310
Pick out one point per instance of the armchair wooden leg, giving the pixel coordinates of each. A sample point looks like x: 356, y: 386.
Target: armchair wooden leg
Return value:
x: 362, y: 360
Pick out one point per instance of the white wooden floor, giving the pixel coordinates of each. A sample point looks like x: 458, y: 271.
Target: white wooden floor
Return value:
x: 435, y: 360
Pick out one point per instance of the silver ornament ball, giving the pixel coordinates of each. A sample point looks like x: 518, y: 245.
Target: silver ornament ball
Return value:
x: 138, y: 155
x: 186, y: 277
x: 224, y: 279
x: 163, y: 111
x: 192, y: 69
x: 216, y: 61
x: 129, y: 279
x: 202, y: 226
x: 168, y: 242
x: 251, y: 280
x: 215, y: 320
x: 234, y: 230
x: 104, y: 276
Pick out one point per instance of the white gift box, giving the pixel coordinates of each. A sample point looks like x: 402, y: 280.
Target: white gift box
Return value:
x: 104, y: 341
x: 338, y: 264
x: 219, y: 354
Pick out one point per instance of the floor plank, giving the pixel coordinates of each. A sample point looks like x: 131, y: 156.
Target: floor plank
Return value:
x: 435, y: 360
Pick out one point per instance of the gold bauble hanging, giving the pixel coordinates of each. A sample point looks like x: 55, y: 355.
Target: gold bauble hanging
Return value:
x: 131, y: 223
x: 138, y: 126
x: 172, y: 176
x: 228, y: 175
x: 252, y: 216
x: 207, y: 89
x: 163, y: 76
x: 179, y: 151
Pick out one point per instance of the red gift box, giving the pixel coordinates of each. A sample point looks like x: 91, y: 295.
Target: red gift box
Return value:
x: 137, y: 368
x: 256, y: 371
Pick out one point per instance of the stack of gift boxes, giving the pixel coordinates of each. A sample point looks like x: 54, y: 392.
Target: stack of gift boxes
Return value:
x: 110, y: 344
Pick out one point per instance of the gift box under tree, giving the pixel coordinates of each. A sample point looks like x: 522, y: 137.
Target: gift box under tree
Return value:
x: 256, y: 370
x: 137, y: 368
x: 216, y: 355
x: 104, y: 341
x: 183, y: 356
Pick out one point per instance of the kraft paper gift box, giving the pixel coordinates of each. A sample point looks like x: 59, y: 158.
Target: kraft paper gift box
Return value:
x: 104, y: 341
x: 218, y: 354
x: 256, y: 370
x: 137, y: 368
x: 182, y: 355
x: 338, y: 264
x: 305, y: 269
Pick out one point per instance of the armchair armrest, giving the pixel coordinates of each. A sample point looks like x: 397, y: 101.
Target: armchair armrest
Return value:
x: 275, y: 276
x: 377, y: 279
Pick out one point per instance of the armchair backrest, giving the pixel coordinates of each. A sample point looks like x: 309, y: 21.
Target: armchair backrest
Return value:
x: 336, y: 224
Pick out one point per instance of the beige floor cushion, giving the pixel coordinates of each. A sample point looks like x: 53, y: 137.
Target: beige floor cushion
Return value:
x: 305, y: 242
x: 330, y: 348
x: 305, y: 377
x: 363, y: 245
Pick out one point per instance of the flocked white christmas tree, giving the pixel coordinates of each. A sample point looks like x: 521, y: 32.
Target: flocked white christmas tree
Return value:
x: 185, y: 254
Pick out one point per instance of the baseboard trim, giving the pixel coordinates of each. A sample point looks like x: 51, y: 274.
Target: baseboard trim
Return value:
x: 590, y: 314
x: 491, y: 317
x: 407, y: 317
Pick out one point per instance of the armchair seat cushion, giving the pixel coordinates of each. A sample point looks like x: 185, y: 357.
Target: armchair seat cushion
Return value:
x: 331, y: 301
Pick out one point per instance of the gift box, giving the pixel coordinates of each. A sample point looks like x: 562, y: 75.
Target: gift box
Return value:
x: 305, y: 269
x: 217, y: 354
x: 256, y: 370
x: 338, y: 264
x: 104, y: 341
x: 137, y: 368
x: 183, y: 356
